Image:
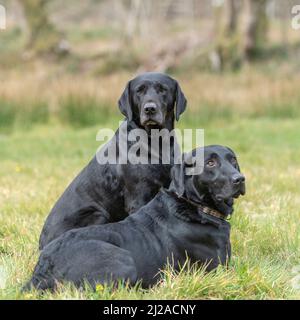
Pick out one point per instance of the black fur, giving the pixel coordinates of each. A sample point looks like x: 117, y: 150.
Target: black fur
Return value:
x: 168, y: 229
x: 108, y: 193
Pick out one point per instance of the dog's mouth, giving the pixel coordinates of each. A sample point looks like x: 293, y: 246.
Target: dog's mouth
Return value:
x: 228, y: 200
x: 152, y: 120
x: 225, y: 203
x: 152, y: 124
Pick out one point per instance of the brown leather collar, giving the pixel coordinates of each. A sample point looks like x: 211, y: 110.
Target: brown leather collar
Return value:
x: 203, y: 209
x: 211, y: 212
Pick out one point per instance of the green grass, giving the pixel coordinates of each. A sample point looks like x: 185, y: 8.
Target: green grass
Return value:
x: 83, y: 111
x: 22, y: 114
x: 80, y: 111
x: 37, y: 165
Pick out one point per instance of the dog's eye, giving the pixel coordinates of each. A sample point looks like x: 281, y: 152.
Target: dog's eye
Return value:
x: 234, y: 162
x: 211, y: 163
x: 141, y: 89
x: 161, y: 88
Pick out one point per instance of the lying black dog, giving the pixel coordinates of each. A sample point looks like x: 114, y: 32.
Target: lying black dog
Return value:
x: 104, y: 193
x: 188, y: 219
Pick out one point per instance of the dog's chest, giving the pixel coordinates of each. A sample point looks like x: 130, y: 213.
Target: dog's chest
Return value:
x: 202, y: 242
x: 147, y: 176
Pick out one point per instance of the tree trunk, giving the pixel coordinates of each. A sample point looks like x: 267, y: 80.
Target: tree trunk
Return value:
x: 43, y: 38
x: 233, y: 7
x: 256, y: 32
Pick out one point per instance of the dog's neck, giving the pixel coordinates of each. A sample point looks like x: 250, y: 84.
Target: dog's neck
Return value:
x: 131, y: 125
x: 198, y: 193
x: 203, y: 203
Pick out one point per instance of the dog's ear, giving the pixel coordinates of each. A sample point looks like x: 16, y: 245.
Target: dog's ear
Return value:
x: 192, y: 179
x: 177, y: 176
x: 125, y: 103
x: 180, y: 102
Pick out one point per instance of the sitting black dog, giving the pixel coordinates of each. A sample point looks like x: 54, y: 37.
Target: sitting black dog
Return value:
x: 187, y: 219
x: 104, y: 193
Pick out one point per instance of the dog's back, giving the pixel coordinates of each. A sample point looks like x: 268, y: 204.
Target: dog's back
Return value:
x: 104, y: 193
x: 107, y: 193
x: 134, y: 249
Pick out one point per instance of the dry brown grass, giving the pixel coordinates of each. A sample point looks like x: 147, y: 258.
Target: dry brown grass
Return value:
x: 246, y: 92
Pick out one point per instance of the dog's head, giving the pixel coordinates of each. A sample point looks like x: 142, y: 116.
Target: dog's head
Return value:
x: 217, y: 185
x: 151, y: 100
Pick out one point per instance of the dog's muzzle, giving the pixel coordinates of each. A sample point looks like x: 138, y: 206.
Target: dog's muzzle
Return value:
x: 150, y: 108
x: 151, y: 114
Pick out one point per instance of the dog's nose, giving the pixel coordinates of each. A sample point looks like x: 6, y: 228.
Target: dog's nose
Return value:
x: 150, y: 108
x: 238, y: 179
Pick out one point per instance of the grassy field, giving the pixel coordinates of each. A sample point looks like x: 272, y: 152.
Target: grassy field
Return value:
x: 52, y: 109
x: 38, y: 163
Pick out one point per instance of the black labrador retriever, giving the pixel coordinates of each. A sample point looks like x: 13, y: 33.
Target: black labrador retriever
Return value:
x: 104, y: 193
x: 187, y: 219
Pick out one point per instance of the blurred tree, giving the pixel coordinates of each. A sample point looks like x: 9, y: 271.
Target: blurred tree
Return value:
x: 226, y: 52
x: 284, y: 13
x: 233, y: 16
x: 257, y: 27
x: 44, y: 38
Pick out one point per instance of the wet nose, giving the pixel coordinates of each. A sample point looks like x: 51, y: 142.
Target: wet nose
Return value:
x: 238, y: 179
x: 150, y: 108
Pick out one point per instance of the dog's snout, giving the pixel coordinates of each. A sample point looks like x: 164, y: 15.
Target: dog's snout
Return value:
x: 238, y: 179
x: 150, y: 108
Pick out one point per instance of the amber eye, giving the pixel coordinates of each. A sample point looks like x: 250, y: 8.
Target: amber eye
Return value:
x: 234, y: 162
x: 211, y: 163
